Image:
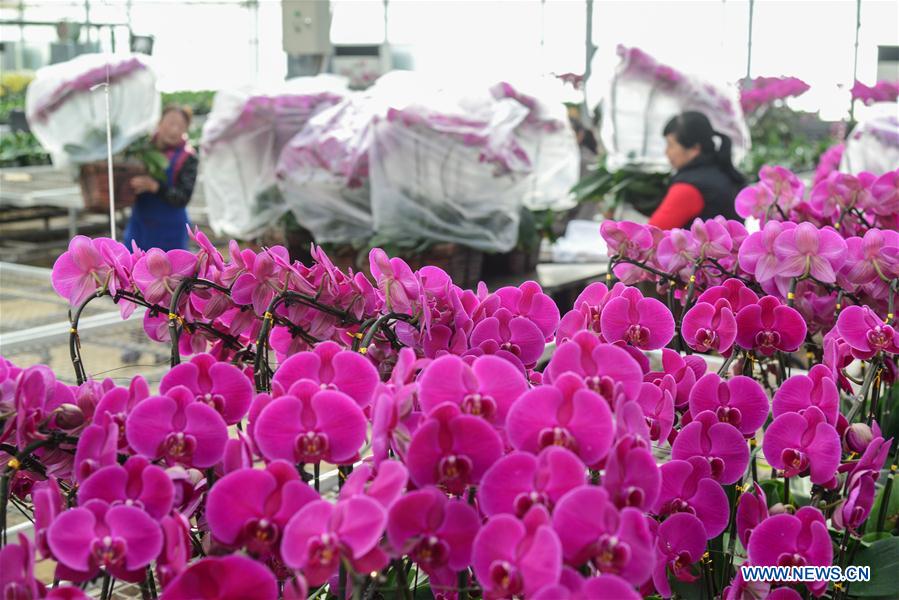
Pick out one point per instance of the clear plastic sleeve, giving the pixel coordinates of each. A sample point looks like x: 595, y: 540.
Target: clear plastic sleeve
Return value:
x: 66, y: 105
x: 242, y: 141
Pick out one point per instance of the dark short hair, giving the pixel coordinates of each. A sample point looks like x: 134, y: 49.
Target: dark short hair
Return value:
x: 183, y: 109
x: 692, y: 128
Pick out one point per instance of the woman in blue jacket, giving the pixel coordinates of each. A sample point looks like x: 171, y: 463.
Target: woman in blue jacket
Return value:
x: 159, y: 216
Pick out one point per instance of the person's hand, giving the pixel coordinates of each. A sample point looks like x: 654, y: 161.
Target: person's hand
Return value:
x: 144, y: 183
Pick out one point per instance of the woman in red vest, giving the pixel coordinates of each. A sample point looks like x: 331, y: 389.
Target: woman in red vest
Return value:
x: 159, y: 216
x: 705, y: 182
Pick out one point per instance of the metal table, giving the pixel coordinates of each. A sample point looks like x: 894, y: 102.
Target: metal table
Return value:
x: 40, y: 187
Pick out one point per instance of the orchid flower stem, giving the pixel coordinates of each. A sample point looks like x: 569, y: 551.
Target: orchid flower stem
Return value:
x: 862, y: 397
x: 75, y: 341
x: 722, y: 372
x: 463, y: 585
x: 786, y: 488
x: 885, y: 499
x: 19, y: 458
x: 107, y: 587
x: 402, y: 580
x: 791, y: 295
x: 316, y: 474
x: 732, y: 537
x: 843, y: 545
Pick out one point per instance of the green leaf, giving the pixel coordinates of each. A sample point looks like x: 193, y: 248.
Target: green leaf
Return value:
x: 883, y: 558
x: 891, y: 521
x: 773, y: 489
x: 875, y: 536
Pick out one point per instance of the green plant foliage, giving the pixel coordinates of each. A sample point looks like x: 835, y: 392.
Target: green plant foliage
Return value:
x: 779, y: 138
x: 644, y: 191
x: 200, y: 101
x: 883, y: 558
x: 21, y: 149
x: 154, y: 160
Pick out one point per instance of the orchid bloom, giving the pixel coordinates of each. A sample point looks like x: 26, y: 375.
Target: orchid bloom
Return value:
x: 770, y: 326
x: 321, y: 533
x: 220, y: 385
x: 310, y: 425
x: 452, y: 450
x: 809, y: 251
x: 177, y: 428
x: 687, y: 486
x: 681, y: 542
x: 612, y: 541
x: 434, y: 531
x: 487, y: 388
x: 816, y: 389
x: 122, y: 539
x: 720, y: 443
x: 796, y: 443
x: 233, y: 577
x: 752, y: 509
x: 250, y: 507
x: 566, y: 414
x: 740, y: 401
x: 136, y: 483
x: 644, y: 323
x: 632, y: 477
x: 606, y: 369
x: 520, y: 480
x: 513, y: 557
x: 793, y: 541
x: 84, y: 269
x: 157, y: 274
x: 708, y: 327
x: 332, y: 368
x: 867, y: 334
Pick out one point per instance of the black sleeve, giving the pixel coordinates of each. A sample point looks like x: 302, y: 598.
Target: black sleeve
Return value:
x: 179, y: 194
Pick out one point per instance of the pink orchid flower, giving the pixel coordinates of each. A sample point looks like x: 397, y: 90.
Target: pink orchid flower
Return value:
x: 520, y: 480
x: 606, y: 369
x: 232, y: 577
x: 157, y: 274
x: 514, y: 557
x: 807, y: 250
x: 793, y: 541
x: 644, y: 323
x: 720, y: 443
x: 770, y: 326
x: 122, y: 539
x: 612, y: 541
x: 250, y: 507
x: 740, y: 401
x: 752, y: 509
x: 796, y: 443
x: 486, y: 389
x: 681, y: 543
x: 136, y: 483
x: 434, y: 531
x: 220, y: 385
x: 332, y: 368
x: 799, y: 392
x: 452, y: 450
x: 687, y: 486
x: 708, y: 327
x: 83, y: 269
x: 321, y: 533
x: 177, y: 428
x: 310, y: 425
x: 866, y: 333
x: 564, y: 414
x: 632, y: 477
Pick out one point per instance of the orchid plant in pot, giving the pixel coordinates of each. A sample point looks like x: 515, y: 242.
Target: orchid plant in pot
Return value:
x: 485, y: 444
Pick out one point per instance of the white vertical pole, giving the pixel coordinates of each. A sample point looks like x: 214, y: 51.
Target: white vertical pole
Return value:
x: 112, y: 224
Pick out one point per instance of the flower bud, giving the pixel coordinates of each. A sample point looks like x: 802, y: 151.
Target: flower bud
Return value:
x: 68, y: 417
x: 857, y: 437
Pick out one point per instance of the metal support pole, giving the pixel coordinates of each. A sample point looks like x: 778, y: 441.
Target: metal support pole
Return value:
x: 858, y: 26
x: 590, y: 51
x: 749, y: 43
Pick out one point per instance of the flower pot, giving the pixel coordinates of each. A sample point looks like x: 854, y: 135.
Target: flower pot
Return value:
x: 94, y: 180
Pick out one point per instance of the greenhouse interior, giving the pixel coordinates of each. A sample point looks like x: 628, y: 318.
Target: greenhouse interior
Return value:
x: 650, y: 248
